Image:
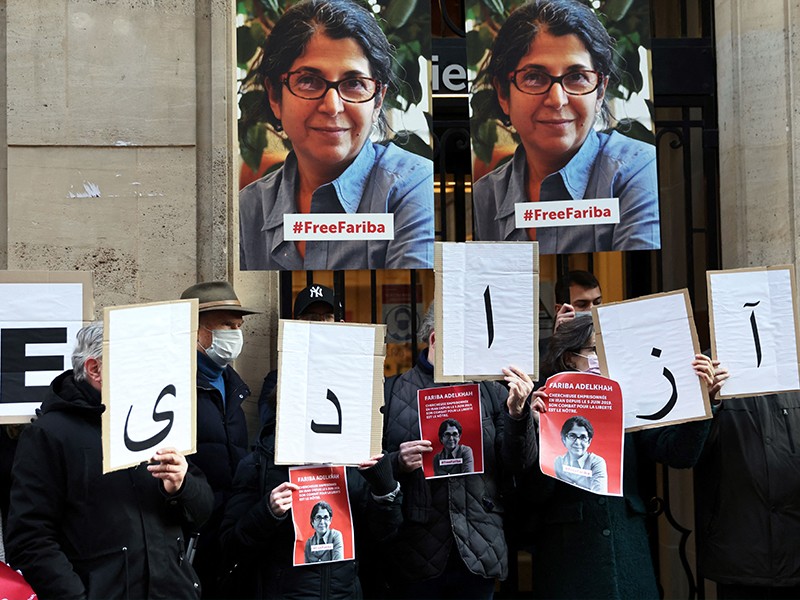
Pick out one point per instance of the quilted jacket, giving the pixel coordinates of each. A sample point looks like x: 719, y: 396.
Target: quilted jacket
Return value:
x: 462, y: 514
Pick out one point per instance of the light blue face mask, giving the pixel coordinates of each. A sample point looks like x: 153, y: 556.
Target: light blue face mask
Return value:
x: 226, y: 345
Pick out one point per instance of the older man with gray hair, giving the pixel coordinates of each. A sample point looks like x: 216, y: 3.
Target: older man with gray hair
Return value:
x: 75, y: 532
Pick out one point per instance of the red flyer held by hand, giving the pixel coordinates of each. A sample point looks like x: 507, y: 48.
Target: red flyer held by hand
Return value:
x: 323, y: 523
x: 450, y: 417
x: 581, y: 434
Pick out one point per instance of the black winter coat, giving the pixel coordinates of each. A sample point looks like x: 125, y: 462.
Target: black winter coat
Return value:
x: 222, y: 442
x: 257, y: 540
x: 76, y: 533
x: 748, y: 493
x: 462, y: 514
x: 591, y: 546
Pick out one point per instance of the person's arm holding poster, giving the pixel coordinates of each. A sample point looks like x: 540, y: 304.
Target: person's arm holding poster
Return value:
x: 252, y: 518
x: 516, y: 431
x: 679, y: 446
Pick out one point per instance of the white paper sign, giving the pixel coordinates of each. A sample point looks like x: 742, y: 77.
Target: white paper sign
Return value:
x: 40, y: 314
x: 487, y: 309
x: 330, y: 389
x: 754, y: 329
x: 648, y: 346
x: 149, y: 381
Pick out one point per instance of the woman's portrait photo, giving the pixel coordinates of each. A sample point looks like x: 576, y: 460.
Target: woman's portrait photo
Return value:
x: 326, y: 544
x: 545, y: 85
x: 454, y: 458
x: 322, y: 83
x: 579, y: 466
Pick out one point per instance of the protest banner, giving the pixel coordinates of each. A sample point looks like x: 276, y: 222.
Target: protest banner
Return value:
x: 648, y: 345
x: 754, y: 329
x: 486, y: 310
x: 583, y: 410
x: 40, y: 314
x: 323, y: 522
x: 330, y: 390
x: 149, y: 381
x: 450, y: 417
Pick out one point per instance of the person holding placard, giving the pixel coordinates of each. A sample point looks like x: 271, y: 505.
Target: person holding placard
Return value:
x: 78, y: 533
x: 325, y: 67
x: 222, y: 439
x: 451, y: 542
x: 587, y: 546
x: 258, y: 537
x: 748, y: 498
x: 549, y: 68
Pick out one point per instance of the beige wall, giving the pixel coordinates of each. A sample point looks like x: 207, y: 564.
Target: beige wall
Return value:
x: 120, y: 135
x: 758, y: 101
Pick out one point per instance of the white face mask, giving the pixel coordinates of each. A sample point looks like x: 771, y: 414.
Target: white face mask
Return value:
x: 226, y: 345
x: 594, y: 364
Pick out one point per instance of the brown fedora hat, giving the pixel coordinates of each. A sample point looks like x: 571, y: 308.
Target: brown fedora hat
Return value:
x: 216, y: 295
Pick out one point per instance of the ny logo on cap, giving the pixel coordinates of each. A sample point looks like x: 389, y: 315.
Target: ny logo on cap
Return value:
x: 315, y: 292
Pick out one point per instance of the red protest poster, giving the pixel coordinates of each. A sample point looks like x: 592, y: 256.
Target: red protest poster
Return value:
x: 450, y: 417
x: 581, y: 434
x: 323, y: 523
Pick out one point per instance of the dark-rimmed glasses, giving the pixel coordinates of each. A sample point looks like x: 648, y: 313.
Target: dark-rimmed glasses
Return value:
x: 583, y: 438
x: 537, y: 82
x: 308, y: 86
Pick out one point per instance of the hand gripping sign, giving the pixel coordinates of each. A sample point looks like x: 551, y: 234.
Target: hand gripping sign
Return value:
x: 40, y: 314
x: 754, y: 329
x: 648, y: 345
x: 330, y: 390
x: 486, y: 309
x: 581, y: 435
x: 149, y: 381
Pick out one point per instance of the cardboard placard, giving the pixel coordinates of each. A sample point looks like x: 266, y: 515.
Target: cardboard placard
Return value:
x: 323, y: 521
x: 754, y: 329
x: 40, y: 314
x: 450, y: 417
x: 149, y: 381
x: 583, y: 411
x: 648, y: 345
x: 330, y: 390
x: 486, y: 310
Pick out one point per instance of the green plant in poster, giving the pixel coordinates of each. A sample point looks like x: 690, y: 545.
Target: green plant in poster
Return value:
x: 406, y: 28
x: 627, y: 21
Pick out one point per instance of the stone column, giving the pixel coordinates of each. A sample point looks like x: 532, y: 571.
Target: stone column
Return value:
x: 758, y: 108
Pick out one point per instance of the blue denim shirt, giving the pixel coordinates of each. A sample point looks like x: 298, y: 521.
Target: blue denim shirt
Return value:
x: 381, y: 179
x: 606, y: 166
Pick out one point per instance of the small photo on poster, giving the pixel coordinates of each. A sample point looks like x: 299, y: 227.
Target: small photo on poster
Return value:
x: 323, y: 523
x: 450, y: 417
x: 581, y: 434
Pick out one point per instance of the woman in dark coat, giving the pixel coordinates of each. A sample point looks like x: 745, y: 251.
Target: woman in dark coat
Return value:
x: 592, y: 546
